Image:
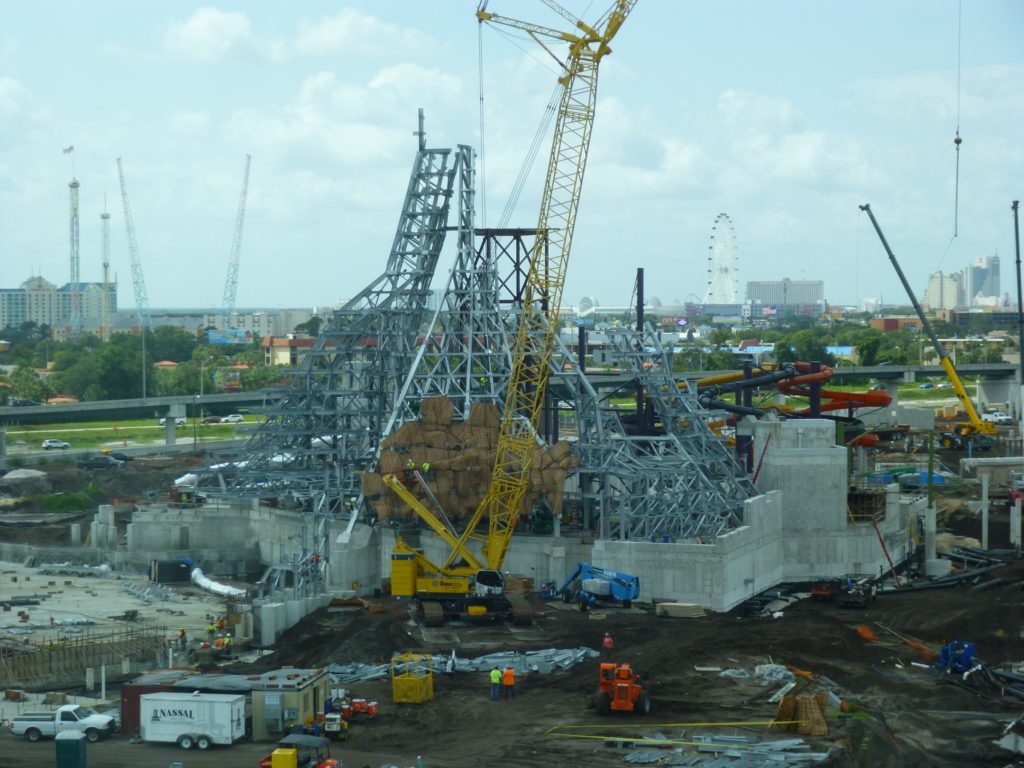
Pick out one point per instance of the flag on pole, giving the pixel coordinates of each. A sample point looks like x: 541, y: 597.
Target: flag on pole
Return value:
x: 69, y: 150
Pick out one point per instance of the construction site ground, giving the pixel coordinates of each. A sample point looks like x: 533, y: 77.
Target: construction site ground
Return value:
x: 901, y: 714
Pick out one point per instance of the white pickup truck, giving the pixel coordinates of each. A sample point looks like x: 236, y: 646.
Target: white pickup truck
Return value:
x: 997, y: 417
x: 71, y: 717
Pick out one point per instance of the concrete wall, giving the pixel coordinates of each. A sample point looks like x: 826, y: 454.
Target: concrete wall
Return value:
x: 720, y: 574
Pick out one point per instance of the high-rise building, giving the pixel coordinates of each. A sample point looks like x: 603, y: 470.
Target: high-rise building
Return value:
x: 982, y: 279
x: 944, y: 291
x: 786, y: 292
x: 40, y: 301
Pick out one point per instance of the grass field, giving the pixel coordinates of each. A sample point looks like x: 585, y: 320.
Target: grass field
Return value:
x: 107, y: 434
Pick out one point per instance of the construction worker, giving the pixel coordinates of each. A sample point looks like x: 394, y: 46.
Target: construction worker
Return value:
x: 182, y: 638
x: 227, y: 642
x: 410, y: 468
x: 426, y: 469
x: 221, y: 624
x: 508, y: 681
x: 607, y: 644
x: 211, y: 630
x: 495, y: 684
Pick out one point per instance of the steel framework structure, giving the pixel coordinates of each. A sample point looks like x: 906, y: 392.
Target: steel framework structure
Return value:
x: 324, y: 424
x: 676, y: 479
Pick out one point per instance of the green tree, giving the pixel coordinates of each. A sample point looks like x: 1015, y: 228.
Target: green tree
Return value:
x: 311, y: 327
x: 867, y: 350
x: 28, y: 384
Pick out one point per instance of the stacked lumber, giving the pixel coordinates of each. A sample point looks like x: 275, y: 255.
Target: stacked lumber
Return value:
x: 680, y: 610
x: 461, y: 457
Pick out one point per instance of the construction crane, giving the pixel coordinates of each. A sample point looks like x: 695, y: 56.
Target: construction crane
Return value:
x: 231, y: 284
x: 105, y: 252
x: 974, y: 425
x: 138, y: 281
x: 466, y: 585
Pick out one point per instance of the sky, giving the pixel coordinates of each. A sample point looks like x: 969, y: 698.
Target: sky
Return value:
x: 786, y: 116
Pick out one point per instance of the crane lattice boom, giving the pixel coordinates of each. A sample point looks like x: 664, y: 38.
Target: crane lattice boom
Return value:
x: 138, y: 281
x: 535, y: 339
x: 231, y: 284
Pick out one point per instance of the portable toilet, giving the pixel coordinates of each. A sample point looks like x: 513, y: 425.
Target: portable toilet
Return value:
x: 70, y: 749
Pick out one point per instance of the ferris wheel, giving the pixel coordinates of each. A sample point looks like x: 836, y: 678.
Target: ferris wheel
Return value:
x: 723, y: 263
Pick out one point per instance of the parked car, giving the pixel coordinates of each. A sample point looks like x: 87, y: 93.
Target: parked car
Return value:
x: 71, y: 717
x: 925, y: 385
x: 211, y: 420
x: 997, y: 417
x: 120, y: 456
x: 100, y: 461
x: 232, y: 418
x: 21, y: 402
x: 178, y: 422
x: 51, y: 442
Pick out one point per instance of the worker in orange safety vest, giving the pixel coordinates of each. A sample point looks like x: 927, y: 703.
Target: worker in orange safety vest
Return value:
x: 508, y: 682
x: 607, y: 644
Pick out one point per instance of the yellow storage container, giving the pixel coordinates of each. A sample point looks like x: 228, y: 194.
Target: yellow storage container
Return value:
x: 284, y: 758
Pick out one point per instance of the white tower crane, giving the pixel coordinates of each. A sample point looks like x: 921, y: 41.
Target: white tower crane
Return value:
x: 138, y: 281
x: 105, y: 251
x: 231, y: 284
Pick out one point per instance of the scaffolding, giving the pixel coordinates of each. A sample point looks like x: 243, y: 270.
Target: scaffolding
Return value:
x: 661, y: 474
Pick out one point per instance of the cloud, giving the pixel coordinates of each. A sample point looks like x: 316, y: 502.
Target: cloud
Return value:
x: 353, y: 33
x: 15, y: 100
x: 188, y: 122
x: 211, y: 34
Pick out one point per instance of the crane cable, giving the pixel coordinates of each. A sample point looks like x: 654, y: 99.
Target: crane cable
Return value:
x: 539, y: 135
x: 957, y: 141
x: 480, y: 78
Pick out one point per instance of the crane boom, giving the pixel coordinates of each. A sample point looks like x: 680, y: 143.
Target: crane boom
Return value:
x: 976, y: 425
x: 535, y: 338
x: 138, y: 281
x: 231, y: 284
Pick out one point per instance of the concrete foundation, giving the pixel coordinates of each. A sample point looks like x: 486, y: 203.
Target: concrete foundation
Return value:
x: 798, y: 529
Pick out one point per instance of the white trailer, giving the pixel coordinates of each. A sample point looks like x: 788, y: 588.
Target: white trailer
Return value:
x: 192, y: 719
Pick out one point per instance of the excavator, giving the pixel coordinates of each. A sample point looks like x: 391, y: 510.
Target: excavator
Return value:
x: 981, y: 433
x: 467, y: 585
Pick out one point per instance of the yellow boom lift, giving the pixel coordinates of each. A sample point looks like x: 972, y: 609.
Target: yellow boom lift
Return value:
x: 974, y: 426
x: 466, y: 585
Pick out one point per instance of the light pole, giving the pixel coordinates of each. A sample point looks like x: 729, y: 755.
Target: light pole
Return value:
x: 195, y: 409
x: 143, y: 363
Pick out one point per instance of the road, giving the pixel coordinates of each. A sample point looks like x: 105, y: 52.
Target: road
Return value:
x: 120, y: 752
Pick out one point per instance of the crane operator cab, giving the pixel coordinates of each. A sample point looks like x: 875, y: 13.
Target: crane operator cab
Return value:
x: 488, y: 582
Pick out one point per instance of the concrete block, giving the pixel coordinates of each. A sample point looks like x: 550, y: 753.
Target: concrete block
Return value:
x: 938, y: 568
x: 294, y: 611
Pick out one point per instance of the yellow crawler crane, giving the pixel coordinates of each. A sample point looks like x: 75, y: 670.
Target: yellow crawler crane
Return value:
x: 974, y: 426
x: 465, y: 586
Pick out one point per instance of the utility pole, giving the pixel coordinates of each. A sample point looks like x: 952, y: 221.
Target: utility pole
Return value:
x: 1020, y: 318
x: 143, y: 363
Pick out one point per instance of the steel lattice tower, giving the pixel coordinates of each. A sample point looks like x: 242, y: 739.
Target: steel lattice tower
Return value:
x: 323, y: 427
x: 75, y: 281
